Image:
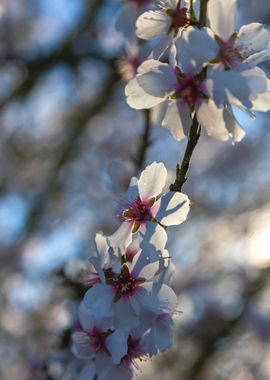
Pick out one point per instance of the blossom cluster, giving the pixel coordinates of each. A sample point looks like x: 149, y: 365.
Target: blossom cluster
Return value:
x: 199, y: 70
x: 128, y: 311
x: 204, y: 70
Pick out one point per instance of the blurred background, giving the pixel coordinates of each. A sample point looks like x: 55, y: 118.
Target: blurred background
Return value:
x: 68, y: 147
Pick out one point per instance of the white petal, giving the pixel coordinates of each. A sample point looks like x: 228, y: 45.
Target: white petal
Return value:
x: 101, y: 244
x: 261, y: 102
x: 117, y: 345
x: 126, y: 314
x: 221, y: 16
x: 174, y: 209
x: 163, y: 332
x: 85, y: 317
x: 163, y: 48
x: 195, y: 47
x: 252, y: 38
x: 149, y: 270
x: 88, y: 321
x: 121, y: 371
x: 233, y: 126
x: 212, y: 119
x: 99, y: 299
x: 122, y: 238
x: 152, y: 24
x: 153, y: 243
x: 177, y: 119
x: 137, y: 98
x: 82, y: 347
x: 255, y: 59
x: 159, y: 81
x: 88, y: 372
x: 145, y: 297
x: 221, y: 83
x: 167, y: 300
x: 152, y: 180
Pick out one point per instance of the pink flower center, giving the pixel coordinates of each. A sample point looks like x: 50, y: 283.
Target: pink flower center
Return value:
x: 98, y: 340
x: 179, y: 18
x: 137, y: 210
x: 125, y: 283
x: 191, y: 89
x: 228, y: 52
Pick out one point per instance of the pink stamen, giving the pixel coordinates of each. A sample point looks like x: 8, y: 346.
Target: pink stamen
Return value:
x: 190, y: 88
x: 136, y: 210
x: 134, y: 350
x: 98, y: 339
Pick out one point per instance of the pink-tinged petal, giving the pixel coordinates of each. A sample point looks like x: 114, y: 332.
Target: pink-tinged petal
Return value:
x: 221, y: 16
x: 174, y: 208
x: 99, y: 300
x: 152, y: 181
x: 159, y: 80
x: 117, y: 345
x: 212, y: 119
x: 152, y: 24
x: 82, y: 347
x: 177, y: 119
x: 137, y: 98
x: 88, y: 372
x: 122, y: 238
x: 195, y: 48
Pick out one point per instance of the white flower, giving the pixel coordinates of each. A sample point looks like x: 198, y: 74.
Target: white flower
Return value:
x: 106, y: 369
x: 191, y: 86
x: 97, y: 338
x: 166, y: 22
x: 171, y: 16
x: 146, y: 204
x: 122, y: 295
x: 238, y: 50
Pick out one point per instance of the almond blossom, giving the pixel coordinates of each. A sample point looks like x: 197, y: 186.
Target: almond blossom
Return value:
x: 241, y: 49
x: 147, y: 203
x: 191, y: 87
x: 166, y: 22
x: 98, y: 339
x: 125, y: 369
x: 123, y: 294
